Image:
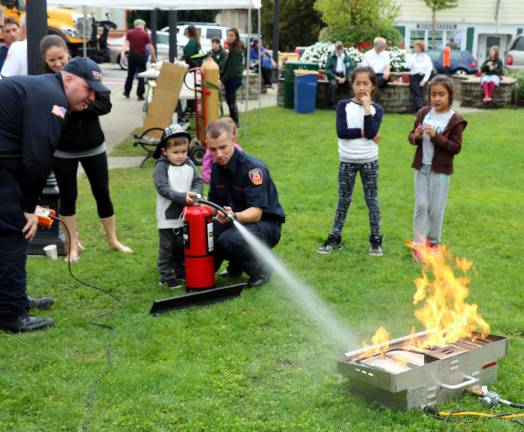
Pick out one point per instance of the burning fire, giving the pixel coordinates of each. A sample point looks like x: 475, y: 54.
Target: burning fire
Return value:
x: 444, y: 311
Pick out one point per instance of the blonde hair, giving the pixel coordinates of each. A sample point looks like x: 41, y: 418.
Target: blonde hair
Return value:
x: 138, y: 23
x: 420, y: 44
x: 497, y: 51
x: 379, y: 41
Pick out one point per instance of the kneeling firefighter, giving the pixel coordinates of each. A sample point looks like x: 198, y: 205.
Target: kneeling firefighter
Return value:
x: 242, y: 185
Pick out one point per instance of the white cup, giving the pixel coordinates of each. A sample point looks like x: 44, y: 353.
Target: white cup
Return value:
x: 51, y: 251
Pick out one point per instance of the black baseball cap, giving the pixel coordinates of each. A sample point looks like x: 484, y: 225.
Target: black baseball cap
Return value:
x: 89, y: 70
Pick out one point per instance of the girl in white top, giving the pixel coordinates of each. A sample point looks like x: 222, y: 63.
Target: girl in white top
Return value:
x: 420, y: 66
x: 358, y: 124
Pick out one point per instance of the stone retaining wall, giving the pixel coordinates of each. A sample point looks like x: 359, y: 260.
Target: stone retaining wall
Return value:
x: 472, y: 94
x: 254, y: 89
x: 395, y: 98
x: 457, y: 84
x: 280, y: 93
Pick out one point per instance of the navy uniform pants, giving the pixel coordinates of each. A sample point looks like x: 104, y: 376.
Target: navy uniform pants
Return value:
x: 13, y: 249
x: 231, y: 246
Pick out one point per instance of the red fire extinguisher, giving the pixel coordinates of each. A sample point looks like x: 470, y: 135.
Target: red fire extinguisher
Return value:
x: 198, y: 247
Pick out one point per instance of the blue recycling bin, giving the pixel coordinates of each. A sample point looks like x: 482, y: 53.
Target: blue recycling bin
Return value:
x: 305, y: 91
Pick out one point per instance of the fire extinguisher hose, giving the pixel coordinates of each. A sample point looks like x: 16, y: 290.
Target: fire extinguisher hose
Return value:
x: 201, y: 200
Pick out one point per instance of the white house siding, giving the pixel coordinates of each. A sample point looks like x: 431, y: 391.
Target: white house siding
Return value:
x: 476, y: 18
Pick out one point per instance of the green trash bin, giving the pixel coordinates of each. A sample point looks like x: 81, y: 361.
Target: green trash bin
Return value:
x: 289, y: 81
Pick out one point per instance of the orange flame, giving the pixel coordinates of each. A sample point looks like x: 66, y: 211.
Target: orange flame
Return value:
x: 379, y: 345
x: 444, y: 309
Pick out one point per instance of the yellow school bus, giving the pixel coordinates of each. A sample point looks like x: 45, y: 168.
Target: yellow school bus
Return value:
x: 59, y: 21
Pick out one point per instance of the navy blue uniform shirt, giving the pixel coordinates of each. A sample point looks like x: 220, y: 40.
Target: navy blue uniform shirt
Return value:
x: 245, y: 182
x: 3, y: 55
x: 32, y: 113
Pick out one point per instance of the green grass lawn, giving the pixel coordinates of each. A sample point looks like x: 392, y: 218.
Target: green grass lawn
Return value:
x: 257, y: 363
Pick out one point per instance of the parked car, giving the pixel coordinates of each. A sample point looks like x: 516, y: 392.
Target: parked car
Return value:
x: 462, y: 62
x: 119, y: 50
x: 207, y: 32
x: 514, y: 58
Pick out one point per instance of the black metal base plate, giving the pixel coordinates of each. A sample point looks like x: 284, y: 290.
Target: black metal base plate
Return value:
x: 197, y: 298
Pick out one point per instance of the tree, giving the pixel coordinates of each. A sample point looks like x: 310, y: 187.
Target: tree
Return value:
x: 300, y: 23
x: 357, y: 21
x: 435, y: 6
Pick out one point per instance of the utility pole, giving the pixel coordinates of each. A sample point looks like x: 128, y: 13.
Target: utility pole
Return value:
x: 36, y: 23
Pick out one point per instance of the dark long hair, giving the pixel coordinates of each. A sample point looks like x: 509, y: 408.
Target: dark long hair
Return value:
x: 193, y: 32
x: 445, y: 82
x: 237, y: 43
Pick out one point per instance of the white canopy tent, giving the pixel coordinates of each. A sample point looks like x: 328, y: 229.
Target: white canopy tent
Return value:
x: 161, y: 4
x: 176, y: 5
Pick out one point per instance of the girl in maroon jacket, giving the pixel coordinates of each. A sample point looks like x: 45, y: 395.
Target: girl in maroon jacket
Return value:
x: 437, y: 135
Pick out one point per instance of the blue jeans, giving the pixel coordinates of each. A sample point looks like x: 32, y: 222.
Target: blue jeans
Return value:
x: 230, y: 88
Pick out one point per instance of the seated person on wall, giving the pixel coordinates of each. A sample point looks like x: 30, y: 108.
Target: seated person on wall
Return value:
x: 378, y: 59
x: 492, y: 70
x: 338, y: 68
x: 242, y: 185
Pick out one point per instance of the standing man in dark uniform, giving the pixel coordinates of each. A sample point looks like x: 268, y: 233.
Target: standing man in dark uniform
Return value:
x: 33, y: 111
x: 139, y: 42
x: 242, y: 185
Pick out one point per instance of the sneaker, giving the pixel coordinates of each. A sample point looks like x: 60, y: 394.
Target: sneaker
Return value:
x: 332, y: 243
x: 376, y: 246
x: 41, y: 303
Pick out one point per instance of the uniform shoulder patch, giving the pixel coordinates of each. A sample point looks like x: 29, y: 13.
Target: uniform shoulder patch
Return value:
x: 256, y: 176
x: 59, y: 111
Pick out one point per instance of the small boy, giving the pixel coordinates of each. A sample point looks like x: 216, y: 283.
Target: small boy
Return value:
x: 177, y: 182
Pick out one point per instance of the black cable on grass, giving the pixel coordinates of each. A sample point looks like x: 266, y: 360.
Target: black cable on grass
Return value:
x: 109, y: 358
x: 94, y: 321
x: 87, y: 284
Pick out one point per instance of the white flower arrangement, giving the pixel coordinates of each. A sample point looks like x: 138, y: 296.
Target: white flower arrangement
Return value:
x: 398, y: 60
x: 319, y: 53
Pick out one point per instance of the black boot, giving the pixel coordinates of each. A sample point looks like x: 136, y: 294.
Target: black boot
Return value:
x: 40, y: 302
x: 26, y: 323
